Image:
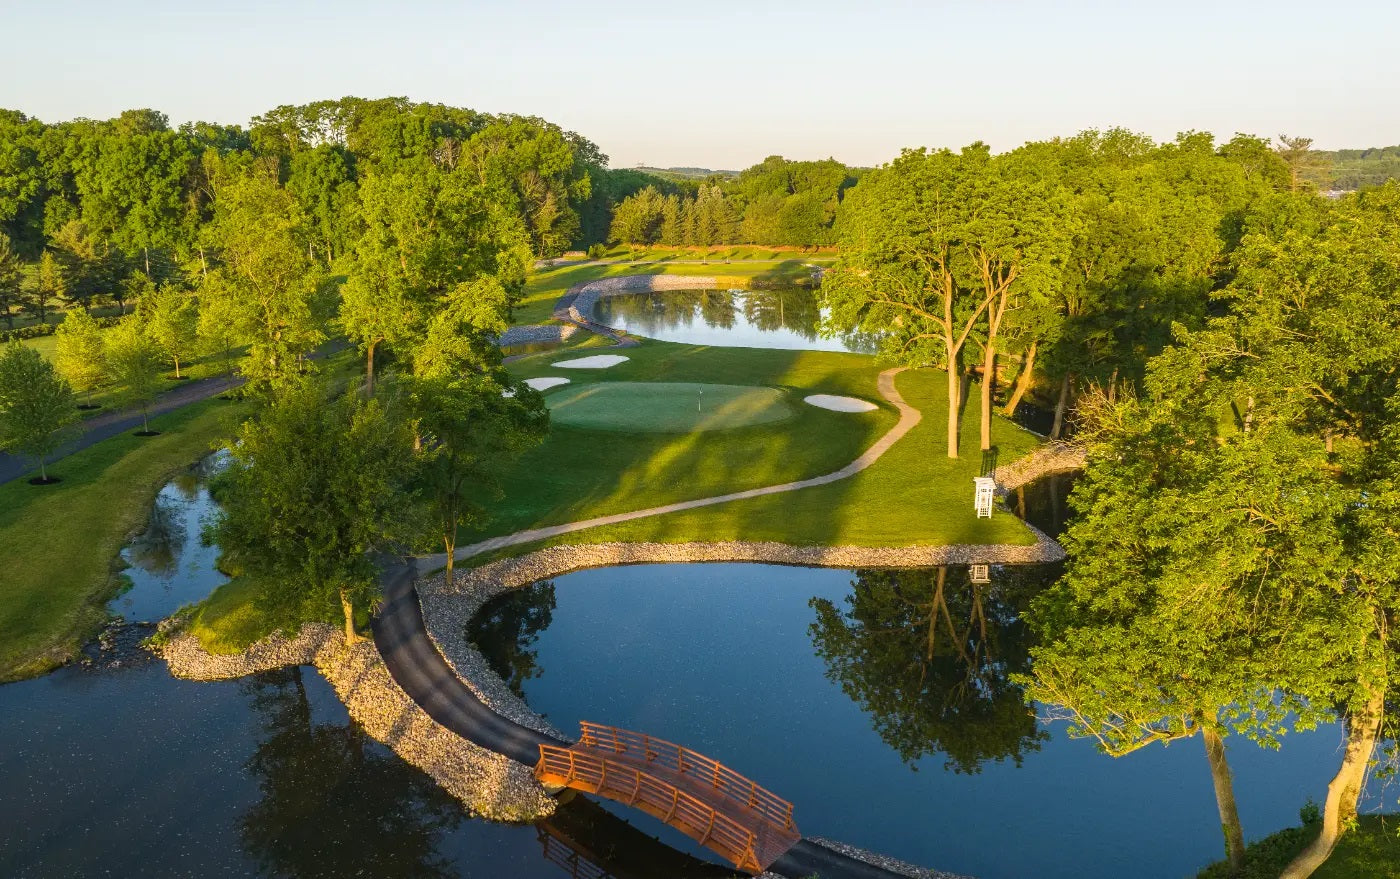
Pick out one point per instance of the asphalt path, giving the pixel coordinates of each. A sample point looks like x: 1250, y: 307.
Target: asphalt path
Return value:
x: 119, y: 421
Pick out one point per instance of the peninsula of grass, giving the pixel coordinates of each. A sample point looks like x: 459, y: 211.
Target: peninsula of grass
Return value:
x: 58, y: 543
x: 666, y: 407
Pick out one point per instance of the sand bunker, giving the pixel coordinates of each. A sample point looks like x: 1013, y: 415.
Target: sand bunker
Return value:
x: 597, y: 361
x: 839, y: 404
x: 546, y: 381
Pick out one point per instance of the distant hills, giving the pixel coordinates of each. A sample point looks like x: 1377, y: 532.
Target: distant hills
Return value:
x: 685, y: 173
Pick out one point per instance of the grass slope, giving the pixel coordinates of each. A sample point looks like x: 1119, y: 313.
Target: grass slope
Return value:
x: 580, y: 473
x: 665, y: 407
x: 58, y: 543
x: 1372, y: 851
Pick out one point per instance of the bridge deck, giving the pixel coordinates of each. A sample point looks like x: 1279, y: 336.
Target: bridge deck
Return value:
x: 710, y: 803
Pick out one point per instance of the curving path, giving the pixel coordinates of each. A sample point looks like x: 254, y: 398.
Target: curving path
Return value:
x: 908, y: 418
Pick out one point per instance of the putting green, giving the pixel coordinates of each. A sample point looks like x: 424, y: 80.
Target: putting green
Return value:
x: 666, y: 407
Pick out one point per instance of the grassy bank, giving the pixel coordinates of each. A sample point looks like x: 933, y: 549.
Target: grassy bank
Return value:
x: 1371, y: 851
x: 58, y: 543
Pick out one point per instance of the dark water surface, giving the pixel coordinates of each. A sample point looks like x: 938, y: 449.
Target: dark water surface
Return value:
x: 784, y: 318
x: 114, y: 768
x: 882, y: 708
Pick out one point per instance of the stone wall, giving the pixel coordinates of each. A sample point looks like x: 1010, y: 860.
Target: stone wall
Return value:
x: 487, y: 783
x: 1046, y: 460
x: 526, y: 335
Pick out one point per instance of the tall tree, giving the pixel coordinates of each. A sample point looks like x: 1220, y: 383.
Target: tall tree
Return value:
x: 315, y: 487
x: 470, y: 428
x: 134, y: 362
x: 172, y: 319
x: 11, y: 281
x: 48, y: 289
x: 79, y: 353
x: 276, y: 291
x: 35, y: 404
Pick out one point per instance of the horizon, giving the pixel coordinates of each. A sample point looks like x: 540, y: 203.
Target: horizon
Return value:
x: 828, y: 82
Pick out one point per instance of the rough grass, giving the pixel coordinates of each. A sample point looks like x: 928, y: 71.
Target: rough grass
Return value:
x: 59, y: 543
x: 666, y: 407
x: 913, y: 496
x: 1372, y: 851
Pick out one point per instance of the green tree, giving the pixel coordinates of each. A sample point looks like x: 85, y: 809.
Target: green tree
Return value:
x: 275, y: 290
x: 219, y: 329
x: 314, y: 489
x: 48, y: 289
x: 79, y: 353
x: 134, y: 362
x: 172, y: 320
x: 35, y: 404
x: 11, y: 281
x: 470, y: 429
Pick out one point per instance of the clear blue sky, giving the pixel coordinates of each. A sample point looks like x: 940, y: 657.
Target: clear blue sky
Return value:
x: 723, y: 84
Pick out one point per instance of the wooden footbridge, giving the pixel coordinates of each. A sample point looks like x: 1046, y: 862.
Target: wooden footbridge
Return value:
x: 709, y: 802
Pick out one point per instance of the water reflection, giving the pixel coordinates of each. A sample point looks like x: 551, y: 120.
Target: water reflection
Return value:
x: 784, y: 318
x: 168, y: 563
x: 928, y: 655
x: 1045, y: 502
x: 334, y: 802
x: 506, y: 632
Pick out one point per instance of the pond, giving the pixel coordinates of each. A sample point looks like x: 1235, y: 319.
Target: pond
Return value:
x: 880, y: 703
x: 784, y: 318
x: 113, y: 767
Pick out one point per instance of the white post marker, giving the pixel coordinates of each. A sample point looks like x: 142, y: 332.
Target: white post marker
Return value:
x: 698, y: 399
x: 986, y: 488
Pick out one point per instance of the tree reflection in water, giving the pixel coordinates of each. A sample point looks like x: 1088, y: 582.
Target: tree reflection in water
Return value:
x: 157, y: 549
x: 333, y: 803
x: 929, y: 655
x: 506, y: 630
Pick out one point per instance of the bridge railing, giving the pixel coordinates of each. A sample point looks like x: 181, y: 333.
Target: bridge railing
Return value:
x: 640, y: 747
x: 632, y: 785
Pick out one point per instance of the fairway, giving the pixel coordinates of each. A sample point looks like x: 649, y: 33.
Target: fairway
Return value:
x: 666, y: 407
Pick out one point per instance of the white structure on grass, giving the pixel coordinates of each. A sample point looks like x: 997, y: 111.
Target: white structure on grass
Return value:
x: 986, y: 494
x: 980, y: 574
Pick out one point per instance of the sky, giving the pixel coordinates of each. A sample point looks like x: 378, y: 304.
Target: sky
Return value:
x: 723, y: 84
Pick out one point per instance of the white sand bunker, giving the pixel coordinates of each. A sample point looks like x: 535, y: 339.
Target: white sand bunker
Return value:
x: 597, y: 361
x: 839, y: 404
x: 546, y: 381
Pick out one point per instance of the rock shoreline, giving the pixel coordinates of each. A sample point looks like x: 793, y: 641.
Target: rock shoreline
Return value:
x: 488, y: 784
x: 1046, y: 460
x: 580, y: 309
x: 448, y: 609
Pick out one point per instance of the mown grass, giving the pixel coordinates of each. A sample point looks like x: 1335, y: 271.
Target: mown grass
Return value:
x: 229, y: 619
x: 578, y: 474
x: 59, y: 543
x: 913, y: 496
x: 1372, y: 851
x: 667, y: 407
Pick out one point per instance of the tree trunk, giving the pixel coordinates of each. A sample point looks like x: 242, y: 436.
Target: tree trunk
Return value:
x: 146, y: 251
x: 43, y: 472
x: 1061, y: 405
x: 954, y: 389
x: 369, y: 370
x: 1023, y: 381
x: 989, y: 372
x: 449, y: 542
x: 1345, y: 788
x: 349, y: 609
x: 1225, y: 799
x: 177, y: 367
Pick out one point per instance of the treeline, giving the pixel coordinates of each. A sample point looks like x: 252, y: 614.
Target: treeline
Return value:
x: 96, y: 212
x: 776, y: 202
x: 1359, y: 169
